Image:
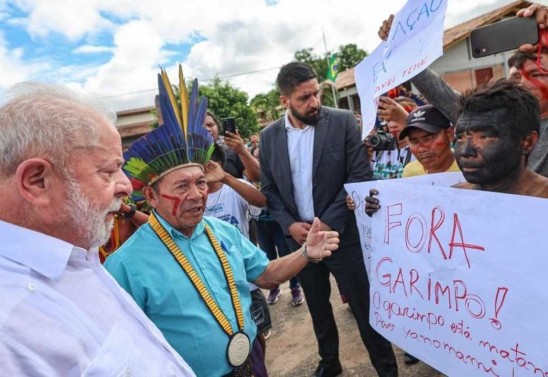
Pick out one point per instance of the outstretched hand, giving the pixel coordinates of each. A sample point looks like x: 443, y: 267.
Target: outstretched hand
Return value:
x: 321, y: 243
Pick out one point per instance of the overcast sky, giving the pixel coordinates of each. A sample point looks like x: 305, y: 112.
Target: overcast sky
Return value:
x: 112, y: 48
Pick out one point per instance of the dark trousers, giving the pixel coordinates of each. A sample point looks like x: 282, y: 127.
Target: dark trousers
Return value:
x: 346, y: 265
x: 272, y: 241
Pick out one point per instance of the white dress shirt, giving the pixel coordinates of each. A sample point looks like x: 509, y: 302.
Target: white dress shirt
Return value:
x: 62, y: 314
x: 300, y: 144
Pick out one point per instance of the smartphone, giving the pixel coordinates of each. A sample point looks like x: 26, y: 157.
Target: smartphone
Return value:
x: 229, y: 124
x: 504, y: 35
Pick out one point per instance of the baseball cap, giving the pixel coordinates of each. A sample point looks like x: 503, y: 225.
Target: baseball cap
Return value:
x: 426, y: 118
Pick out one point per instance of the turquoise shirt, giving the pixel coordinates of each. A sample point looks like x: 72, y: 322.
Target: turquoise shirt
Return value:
x: 145, y: 268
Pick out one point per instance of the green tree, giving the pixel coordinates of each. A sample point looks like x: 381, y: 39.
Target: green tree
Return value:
x: 318, y: 62
x: 225, y: 101
x: 268, y: 105
x: 349, y: 56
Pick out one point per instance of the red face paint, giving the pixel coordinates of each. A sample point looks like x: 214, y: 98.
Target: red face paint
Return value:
x: 542, y: 43
x: 176, y: 202
x: 537, y: 85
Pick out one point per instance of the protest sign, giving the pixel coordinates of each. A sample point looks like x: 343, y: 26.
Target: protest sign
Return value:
x: 458, y: 278
x: 358, y: 191
x: 415, y: 41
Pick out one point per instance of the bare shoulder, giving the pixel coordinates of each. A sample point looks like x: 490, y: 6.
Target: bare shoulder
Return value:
x: 538, y: 187
x: 465, y: 185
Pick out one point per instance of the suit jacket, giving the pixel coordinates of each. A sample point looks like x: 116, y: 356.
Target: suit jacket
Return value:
x: 339, y: 157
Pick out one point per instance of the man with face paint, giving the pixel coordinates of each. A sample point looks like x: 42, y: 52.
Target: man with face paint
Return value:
x: 187, y: 272
x: 429, y: 134
x: 523, y: 67
x: 495, y: 134
x: 306, y: 158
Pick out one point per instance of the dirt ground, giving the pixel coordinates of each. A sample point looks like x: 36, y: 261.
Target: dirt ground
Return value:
x: 291, y: 350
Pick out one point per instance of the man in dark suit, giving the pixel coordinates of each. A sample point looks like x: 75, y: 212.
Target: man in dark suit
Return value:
x: 306, y: 157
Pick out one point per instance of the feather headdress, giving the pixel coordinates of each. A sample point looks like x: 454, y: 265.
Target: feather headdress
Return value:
x: 180, y: 141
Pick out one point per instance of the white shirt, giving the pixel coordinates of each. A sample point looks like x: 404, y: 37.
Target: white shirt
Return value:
x: 226, y: 204
x: 62, y: 314
x: 300, y: 144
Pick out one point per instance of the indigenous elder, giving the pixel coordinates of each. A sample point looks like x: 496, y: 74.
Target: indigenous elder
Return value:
x: 497, y: 130
x: 306, y: 158
x: 61, y: 183
x: 190, y: 273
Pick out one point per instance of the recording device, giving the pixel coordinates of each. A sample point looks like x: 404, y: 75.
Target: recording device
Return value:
x: 229, y: 124
x: 504, y: 35
x: 381, y: 141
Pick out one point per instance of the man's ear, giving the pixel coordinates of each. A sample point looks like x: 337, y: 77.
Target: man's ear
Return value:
x: 529, y: 142
x: 450, y: 133
x: 36, y: 180
x: 150, y: 196
x: 284, y: 101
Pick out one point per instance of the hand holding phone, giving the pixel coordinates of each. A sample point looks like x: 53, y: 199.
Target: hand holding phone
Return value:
x: 504, y: 35
x: 229, y: 124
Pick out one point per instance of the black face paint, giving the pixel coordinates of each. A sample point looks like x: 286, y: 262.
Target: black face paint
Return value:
x: 487, y: 150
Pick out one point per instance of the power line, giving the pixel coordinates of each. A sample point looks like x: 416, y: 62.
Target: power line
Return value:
x: 205, y: 80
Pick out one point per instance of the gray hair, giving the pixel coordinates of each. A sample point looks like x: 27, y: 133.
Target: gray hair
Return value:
x: 47, y: 121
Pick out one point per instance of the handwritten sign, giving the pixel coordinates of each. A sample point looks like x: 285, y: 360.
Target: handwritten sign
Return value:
x: 458, y: 278
x: 358, y: 192
x: 414, y: 42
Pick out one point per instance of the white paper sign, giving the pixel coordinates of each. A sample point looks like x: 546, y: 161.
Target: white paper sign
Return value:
x: 358, y: 192
x: 415, y: 41
x: 459, y: 277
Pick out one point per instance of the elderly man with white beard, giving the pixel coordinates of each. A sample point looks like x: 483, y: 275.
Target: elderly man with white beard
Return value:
x: 61, y: 182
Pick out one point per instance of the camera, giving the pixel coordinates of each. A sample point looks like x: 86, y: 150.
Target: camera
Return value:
x: 381, y: 141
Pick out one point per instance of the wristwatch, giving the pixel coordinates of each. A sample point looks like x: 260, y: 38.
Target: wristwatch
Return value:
x: 308, y: 257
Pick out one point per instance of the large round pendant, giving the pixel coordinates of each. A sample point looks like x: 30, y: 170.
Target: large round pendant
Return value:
x: 238, y: 349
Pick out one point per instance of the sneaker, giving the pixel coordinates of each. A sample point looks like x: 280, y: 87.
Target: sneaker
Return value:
x: 273, y: 296
x: 296, y: 297
x: 267, y: 334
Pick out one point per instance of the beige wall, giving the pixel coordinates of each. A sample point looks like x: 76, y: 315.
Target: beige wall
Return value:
x: 466, y: 79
